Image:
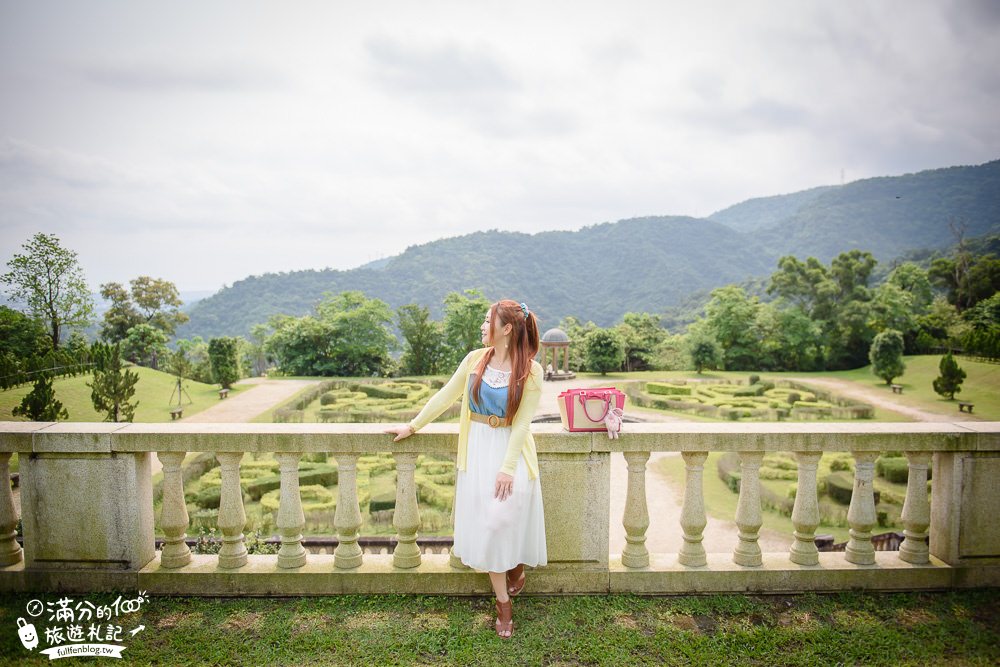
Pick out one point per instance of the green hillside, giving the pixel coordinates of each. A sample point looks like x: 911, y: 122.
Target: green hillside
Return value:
x: 651, y: 264
x: 596, y: 273
x: 152, y: 391
x: 890, y: 215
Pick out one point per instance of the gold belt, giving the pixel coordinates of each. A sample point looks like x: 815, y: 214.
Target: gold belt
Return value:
x: 493, y: 420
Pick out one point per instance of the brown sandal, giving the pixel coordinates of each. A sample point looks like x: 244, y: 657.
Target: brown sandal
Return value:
x: 505, y: 619
x: 515, y: 580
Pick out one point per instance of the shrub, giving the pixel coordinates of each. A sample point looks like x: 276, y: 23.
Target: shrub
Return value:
x: 329, y: 398
x: 754, y: 379
x: 323, y: 474
x: 383, y: 501
x: 377, y: 391
x: 841, y: 463
x: 840, y: 488
x: 893, y: 469
x: 793, y: 397
x: 665, y: 388
x: 315, y: 498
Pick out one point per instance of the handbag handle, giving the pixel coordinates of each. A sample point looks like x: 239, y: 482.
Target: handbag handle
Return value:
x: 607, y: 406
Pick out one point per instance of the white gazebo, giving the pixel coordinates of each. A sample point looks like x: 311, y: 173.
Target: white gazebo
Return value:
x: 555, y: 341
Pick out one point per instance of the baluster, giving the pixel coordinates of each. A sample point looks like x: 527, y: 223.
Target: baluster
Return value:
x: 861, y: 514
x: 406, y: 517
x: 173, y: 513
x: 291, y: 520
x: 636, y: 519
x: 232, y: 518
x: 693, y: 520
x: 916, y: 511
x: 805, y: 512
x: 748, y: 516
x: 348, y: 516
x: 10, y: 550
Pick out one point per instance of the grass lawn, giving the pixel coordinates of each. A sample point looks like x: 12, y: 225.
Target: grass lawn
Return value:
x: 153, y: 392
x: 981, y: 385
x: 951, y: 628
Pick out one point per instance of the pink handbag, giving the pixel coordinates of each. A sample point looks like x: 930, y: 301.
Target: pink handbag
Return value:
x: 596, y: 409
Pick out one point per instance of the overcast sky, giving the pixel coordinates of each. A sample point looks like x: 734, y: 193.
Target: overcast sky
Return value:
x: 203, y: 142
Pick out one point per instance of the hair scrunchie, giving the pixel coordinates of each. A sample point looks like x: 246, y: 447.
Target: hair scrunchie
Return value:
x: 524, y: 309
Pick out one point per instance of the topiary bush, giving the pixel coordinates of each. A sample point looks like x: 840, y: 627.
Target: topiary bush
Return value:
x: 893, y: 469
x: 329, y: 398
x: 664, y: 388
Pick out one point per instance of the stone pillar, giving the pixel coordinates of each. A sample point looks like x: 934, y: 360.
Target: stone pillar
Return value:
x: 406, y: 517
x: 173, y: 512
x: 916, y: 511
x: 805, y: 512
x: 347, y: 518
x: 861, y: 514
x: 10, y: 550
x: 90, y: 509
x: 964, y: 528
x: 636, y: 519
x: 748, y: 515
x: 232, y: 518
x: 693, y: 519
x: 291, y: 520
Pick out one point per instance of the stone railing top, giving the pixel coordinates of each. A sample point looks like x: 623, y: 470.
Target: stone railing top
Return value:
x: 549, y: 437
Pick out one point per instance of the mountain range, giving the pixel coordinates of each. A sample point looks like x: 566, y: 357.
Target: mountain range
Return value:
x: 650, y: 264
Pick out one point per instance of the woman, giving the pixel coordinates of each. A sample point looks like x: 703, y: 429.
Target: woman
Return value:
x: 499, y: 523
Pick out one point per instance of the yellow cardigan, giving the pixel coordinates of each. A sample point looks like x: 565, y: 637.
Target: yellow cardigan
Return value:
x: 520, y: 434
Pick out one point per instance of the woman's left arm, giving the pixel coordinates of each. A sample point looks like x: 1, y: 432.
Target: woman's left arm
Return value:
x: 522, y: 420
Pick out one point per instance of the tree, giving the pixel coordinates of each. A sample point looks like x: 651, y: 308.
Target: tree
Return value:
x: 196, y: 352
x: 40, y: 404
x: 604, y: 350
x: 423, y: 338
x: 159, y: 303
x: 577, y: 333
x: 225, y: 363
x: 113, y: 386
x: 361, y: 336
x: 730, y: 317
x: 22, y: 336
x: 120, y: 316
x: 949, y: 382
x: 463, y: 313
x: 151, y: 301
x: 641, y: 333
x: 703, y: 348
x: 886, y: 355
x: 144, y: 344
x: 49, y: 280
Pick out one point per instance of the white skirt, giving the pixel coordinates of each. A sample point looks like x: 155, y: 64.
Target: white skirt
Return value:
x: 490, y: 535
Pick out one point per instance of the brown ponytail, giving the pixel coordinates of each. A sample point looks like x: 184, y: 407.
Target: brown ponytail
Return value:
x: 524, y: 343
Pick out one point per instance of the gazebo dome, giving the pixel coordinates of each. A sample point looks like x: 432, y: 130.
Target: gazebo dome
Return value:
x: 555, y: 335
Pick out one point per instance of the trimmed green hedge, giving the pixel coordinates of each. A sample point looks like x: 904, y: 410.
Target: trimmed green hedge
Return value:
x: 840, y: 487
x: 667, y: 389
x: 893, y: 469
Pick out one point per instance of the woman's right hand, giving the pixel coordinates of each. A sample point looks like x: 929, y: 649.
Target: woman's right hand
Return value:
x: 400, y: 432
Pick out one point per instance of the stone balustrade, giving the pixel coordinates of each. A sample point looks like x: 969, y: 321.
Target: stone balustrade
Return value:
x: 87, y: 511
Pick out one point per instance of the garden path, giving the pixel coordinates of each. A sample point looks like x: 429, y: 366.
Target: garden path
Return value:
x: 887, y: 402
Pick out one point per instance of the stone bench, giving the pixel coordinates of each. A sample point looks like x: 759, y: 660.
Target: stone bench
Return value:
x: 897, y: 389
x: 965, y: 407
x: 176, y: 413
x: 223, y: 393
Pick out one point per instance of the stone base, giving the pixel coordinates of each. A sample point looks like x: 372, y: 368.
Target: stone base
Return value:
x: 778, y: 574
x: 434, y: 576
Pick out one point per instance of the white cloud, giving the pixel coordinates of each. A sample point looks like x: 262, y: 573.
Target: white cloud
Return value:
x: 204, y: 143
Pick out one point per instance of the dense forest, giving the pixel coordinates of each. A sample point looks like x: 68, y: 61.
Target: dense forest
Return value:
x: 654, y: 264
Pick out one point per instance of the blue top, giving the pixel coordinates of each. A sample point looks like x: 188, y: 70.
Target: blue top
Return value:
x: 494, y: 400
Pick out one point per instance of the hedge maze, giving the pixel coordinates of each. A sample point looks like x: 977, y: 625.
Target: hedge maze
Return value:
x: 756, y: 400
